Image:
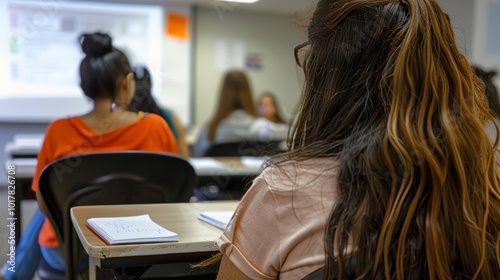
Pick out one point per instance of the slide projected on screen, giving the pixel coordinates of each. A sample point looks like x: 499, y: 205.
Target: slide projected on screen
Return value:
x: 40, y: 52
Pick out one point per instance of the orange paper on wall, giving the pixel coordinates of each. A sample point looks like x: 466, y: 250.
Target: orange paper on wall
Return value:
x: 177, y: 26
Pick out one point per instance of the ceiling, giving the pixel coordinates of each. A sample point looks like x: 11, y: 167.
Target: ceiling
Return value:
x: 267, y: 6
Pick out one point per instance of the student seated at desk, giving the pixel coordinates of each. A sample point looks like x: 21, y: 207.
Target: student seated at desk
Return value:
x: 143, y: 101
x: 391, y: 174
x: 107, y: 79
x: 269, y: 109
x: 236, y: 117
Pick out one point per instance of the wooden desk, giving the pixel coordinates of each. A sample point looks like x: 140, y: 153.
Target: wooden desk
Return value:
x: 25, y: 168
x: 228, y: 175
x: 17, y: 151
x: 196, y: 238
x: 219, y: 178
x: 230, y: 166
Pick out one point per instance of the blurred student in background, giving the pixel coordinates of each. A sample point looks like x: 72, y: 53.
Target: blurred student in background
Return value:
x: 106, y: 78
x: 269, y: 109
x: 236, y: 118
x: 143, y: 101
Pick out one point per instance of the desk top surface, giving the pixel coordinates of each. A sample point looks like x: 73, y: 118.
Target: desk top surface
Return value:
x: 181, y: 218
x: 222, y: 166
x: 25, y: 147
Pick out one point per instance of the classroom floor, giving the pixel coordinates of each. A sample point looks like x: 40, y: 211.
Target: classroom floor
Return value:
x: 27, y: 209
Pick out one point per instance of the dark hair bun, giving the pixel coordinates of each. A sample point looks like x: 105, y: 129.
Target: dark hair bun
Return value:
x: 96, y: 44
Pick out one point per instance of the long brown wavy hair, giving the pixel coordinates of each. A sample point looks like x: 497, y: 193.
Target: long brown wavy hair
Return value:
x: 235, y: 94
x: 388, y: 93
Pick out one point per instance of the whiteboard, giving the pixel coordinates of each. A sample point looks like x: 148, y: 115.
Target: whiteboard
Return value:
x: 40, y: 79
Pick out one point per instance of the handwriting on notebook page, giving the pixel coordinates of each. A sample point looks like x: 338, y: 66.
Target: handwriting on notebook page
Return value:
x: 133, y: 229
x: 120, y: 226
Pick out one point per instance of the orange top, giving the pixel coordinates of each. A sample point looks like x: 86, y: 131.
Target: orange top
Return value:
x: 71, y: 136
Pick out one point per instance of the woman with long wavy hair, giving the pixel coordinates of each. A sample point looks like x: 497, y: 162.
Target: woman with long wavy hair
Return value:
x: 390, y: 173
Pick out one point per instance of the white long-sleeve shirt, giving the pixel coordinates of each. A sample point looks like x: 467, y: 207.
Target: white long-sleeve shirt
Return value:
x: 241, y: 126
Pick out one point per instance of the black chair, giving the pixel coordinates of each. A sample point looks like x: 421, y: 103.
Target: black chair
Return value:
x: 244, y: 148
x: 130, y: 177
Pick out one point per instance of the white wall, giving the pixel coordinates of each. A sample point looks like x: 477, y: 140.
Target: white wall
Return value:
x: 486, y: 29
x: 469, y: 17
x: 461, y: 13
x: 270, y: 35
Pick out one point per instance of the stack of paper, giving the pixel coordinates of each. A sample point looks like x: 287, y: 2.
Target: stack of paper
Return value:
x: 219, y: 219
x: 206, y: 165
x: 134, y: 229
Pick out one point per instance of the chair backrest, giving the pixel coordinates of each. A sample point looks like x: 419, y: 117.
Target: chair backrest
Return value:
x: 131, y: 177
x: 244, y: 148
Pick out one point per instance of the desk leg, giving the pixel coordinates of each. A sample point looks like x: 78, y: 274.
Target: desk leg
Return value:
x: 17, y: 213
x: 23, y: 191
x: 92, y: 268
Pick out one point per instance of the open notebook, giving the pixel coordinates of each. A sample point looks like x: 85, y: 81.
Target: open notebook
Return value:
x: 219, y: 219
x: 133, y: 229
